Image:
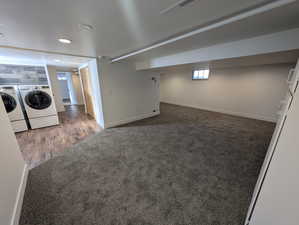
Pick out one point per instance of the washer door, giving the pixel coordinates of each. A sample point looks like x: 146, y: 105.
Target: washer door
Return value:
x: 9, y: 102
x: 38, y: 100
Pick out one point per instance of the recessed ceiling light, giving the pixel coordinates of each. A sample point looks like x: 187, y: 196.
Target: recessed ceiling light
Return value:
x: 64, y: 40
x: 57, y: 60
x: 85, y: 26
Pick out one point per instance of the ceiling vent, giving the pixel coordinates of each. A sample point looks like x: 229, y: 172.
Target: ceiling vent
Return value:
x: 181, y: 3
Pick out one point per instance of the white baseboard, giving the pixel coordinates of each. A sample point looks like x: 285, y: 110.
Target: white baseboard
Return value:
x: 19, y: 200
x: 241, y: 114
x: 132, y: 119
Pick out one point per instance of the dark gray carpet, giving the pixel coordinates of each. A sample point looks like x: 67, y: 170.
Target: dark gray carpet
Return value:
x: 185, y: 166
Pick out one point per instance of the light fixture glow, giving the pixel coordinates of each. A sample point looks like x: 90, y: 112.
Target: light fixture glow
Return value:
x: 64, y: 40
x: 86, y: 27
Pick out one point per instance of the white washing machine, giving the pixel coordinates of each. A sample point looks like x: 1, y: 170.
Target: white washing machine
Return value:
x: 39, y: 105
x: 10, y: 98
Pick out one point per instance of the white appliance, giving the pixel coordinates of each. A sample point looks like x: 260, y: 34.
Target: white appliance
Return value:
x: 10, y: 98
x: 39, y: 105
x: 293, y: 82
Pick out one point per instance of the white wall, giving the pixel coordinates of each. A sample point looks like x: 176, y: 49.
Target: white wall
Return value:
x: 13, y: 173
x: 278, y: 198
x: 55, y: 86
x: 77, y: 89
x: 253, y: 92
x: 128, y: 95
x: 63, y: 88
x: 97, y: 90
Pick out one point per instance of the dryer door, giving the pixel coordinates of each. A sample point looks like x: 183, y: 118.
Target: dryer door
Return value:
x: 9, y: 102
x: 38, y: 100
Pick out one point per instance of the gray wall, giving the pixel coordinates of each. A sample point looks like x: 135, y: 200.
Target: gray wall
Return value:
x: 18, y: 74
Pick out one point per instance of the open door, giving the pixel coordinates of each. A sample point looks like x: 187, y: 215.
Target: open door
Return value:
x: 87, y: 90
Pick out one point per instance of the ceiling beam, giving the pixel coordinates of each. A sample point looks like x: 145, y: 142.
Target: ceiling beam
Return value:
x: 264, y: 44
x: 219, y: 23
x: 44, y: 52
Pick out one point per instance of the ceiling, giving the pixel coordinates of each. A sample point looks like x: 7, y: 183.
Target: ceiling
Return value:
x: 25, y: 57
x: 282, y: 18
x: 120, y: 26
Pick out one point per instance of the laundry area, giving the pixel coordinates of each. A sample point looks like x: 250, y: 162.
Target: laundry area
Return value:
x: 43, y: 95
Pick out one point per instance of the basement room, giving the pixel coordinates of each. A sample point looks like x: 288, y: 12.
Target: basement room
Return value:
x: 173, y: 112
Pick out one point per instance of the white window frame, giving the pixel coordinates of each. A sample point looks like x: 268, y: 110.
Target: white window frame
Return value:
x: 61, y: 76
x: 201, y: 74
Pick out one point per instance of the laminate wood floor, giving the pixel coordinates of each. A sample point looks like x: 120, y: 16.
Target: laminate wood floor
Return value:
x: 40, y: 145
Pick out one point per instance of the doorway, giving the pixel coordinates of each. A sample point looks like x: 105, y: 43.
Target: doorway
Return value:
x: 66, y: 88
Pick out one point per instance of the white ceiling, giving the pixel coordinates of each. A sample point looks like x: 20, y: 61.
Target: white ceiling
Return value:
x: 282, y: 18
x: 25, y: 57
x: 120, y: 26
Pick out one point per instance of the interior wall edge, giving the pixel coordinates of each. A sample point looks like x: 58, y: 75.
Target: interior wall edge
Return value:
x: 97, y: 91
x: 20, y: 196
x: 55, y: 87
x: 131, y: 119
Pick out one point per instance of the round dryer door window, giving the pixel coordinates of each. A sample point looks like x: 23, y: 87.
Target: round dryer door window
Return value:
x: 38, y: 100
x: 9, y: 102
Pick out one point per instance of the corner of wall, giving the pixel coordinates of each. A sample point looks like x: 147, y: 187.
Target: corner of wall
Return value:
x: 20, y: 196
x: 228, y: 112
x: 131, y: 119
x: 54, y: 85
x: 94, y: 69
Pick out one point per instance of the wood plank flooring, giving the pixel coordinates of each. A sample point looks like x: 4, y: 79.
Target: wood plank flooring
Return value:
x: 39, y: 145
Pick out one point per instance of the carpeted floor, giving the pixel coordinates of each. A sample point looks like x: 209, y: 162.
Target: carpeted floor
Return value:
x: 185, y: 166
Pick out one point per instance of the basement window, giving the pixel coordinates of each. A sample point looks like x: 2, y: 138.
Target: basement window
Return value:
x: 201, y: 74
x: 61, y: 76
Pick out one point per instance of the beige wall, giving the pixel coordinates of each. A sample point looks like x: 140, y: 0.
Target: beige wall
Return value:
x: 253, y: 92
x: 128, y: 95
x: 55, y: 86
x: 77, y: 88
x: 12, y: 172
